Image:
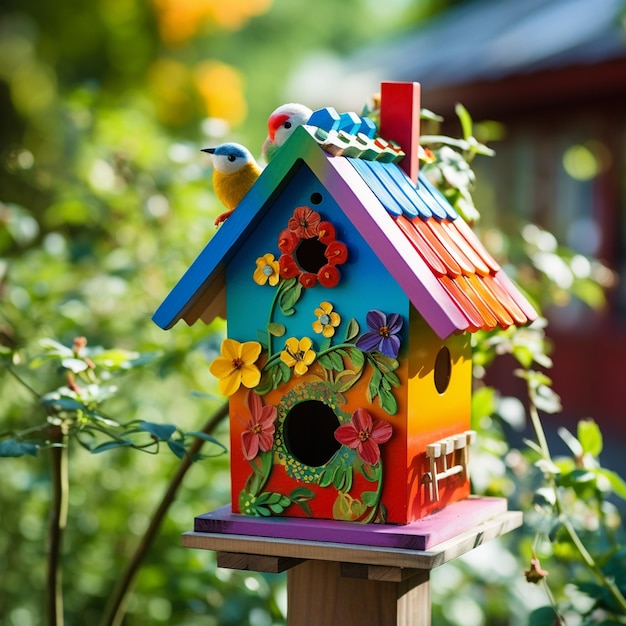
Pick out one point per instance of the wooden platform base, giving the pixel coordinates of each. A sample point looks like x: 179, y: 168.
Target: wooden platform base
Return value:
x: 419, y: 535
x: 356, y: 581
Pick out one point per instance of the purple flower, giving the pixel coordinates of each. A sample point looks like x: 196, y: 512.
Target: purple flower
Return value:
x: 383, y: 334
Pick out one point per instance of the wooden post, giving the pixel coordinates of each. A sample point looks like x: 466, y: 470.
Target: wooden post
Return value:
x: 324, y: 592
x: 352, y: 584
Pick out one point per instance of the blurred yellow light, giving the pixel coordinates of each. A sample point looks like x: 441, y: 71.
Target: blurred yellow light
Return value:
x: 580, y: 162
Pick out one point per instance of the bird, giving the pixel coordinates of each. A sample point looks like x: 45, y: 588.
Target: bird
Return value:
x: 281, y: 124
x: 235, y: 170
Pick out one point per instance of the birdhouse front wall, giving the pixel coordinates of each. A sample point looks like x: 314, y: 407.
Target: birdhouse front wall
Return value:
x: 295, y: 447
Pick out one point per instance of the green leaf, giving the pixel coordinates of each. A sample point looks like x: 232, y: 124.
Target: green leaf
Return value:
x: 325, y: 345
x: 544, y: 616
x: 206, y: 437
x: 61, y: 403
x: 465, y: 119
x: 177, y: 447
x: 352, y: 330
x: 263, y: 338
x: 276, y: 329
x: 336, y: 360
x: 74, y: 365
x: 357, y: 357
x: 370, y: 498
x: 325, y: 361
x: 116, y: 358
x: 618, y: 485
x: 162, y: 432
x: 289, y: 297
x: 590, y: 437
x: 387, y: 401
x: 17, y: 447
x: 112, y: 445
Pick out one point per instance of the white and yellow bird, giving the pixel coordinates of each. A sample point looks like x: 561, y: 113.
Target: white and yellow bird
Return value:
x: 281, y: 124
x: 234, y: 172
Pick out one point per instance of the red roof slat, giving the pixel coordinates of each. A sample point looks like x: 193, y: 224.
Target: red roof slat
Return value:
x: 466, y: 305
x: 452, y: 267
x: 421, y: 246
x: 438, y: 229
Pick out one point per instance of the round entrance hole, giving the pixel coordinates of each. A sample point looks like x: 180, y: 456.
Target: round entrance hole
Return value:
x: 443, y: 369
x: 309, y: 255
x: 309, y: 430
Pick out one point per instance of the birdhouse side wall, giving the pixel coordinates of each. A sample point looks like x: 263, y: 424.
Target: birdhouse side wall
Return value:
x: 439, y: 416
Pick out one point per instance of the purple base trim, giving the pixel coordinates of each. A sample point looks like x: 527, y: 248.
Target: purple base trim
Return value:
x: 420, y: 535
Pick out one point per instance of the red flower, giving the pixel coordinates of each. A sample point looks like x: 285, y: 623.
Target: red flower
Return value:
x: 287, y: 241
x: 328, y: 276
x: 326, y: 232
x: 288, y: 267
x: 363, y: 434
x: 259, y: 433
x: 336, y: 253
x: 308, y: 280
x: 305, y: 222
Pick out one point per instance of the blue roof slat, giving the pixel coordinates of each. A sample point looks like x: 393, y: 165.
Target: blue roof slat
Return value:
x: 438, y: 197
x: 404, y: 184
x: 372, y: 181
x: 384, y: 172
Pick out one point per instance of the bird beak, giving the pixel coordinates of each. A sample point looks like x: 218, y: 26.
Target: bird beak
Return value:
x: 209, y: 150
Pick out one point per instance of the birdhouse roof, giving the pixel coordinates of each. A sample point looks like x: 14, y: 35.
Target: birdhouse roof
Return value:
x: 439, y: 262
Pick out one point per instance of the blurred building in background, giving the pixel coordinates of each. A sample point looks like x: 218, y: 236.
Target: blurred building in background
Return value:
x: 553, y: 74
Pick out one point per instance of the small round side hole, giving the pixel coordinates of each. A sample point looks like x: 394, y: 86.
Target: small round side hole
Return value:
x: 443, y: 370
x: 316, y: 198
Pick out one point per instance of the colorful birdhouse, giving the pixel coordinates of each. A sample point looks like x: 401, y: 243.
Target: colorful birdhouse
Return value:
x: 350, y: 287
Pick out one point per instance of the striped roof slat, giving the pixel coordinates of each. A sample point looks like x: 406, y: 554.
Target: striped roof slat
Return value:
x: 383, y: 171
x: 453, y: 268
x: 473, y: 316
x: 421, y: 245
x: 412, y: 193
x: 475, y: 259
x: 507, y: 284
x: 491, y: 300
x: 374, y: 183
x: 467, y: 267
x: 489, y: 319
x: 437, y: 196
x: 470, y: 236
x: 507, y: 301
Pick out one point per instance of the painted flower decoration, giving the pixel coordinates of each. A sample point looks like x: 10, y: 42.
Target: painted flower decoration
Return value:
x: 305, y: 222
x: 267, y: 270
x: 236, y: 366
x: 298, y: 354
x: 327, y: 320
x: 364, y: 434
x: 383, y: 334
x: 259, y: 432
x: 310, y: 250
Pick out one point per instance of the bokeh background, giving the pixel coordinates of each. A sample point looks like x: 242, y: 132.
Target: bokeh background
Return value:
x: 105, y: 200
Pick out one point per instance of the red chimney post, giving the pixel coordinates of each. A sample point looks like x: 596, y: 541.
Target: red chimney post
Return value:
x: 400, y: 121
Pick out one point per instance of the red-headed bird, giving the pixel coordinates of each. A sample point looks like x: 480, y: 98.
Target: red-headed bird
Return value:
x: 234, y: 172
x: 280, y: 124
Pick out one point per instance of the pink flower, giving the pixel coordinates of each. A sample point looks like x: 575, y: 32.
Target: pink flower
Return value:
x: 364, y: 434
x: 259, y: 433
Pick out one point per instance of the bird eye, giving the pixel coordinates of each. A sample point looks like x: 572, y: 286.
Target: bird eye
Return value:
x: 232, y: 157
x: 287, y: 124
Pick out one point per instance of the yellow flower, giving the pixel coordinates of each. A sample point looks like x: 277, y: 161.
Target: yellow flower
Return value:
x: 298, y: 354
x: 267, y: 268
x: 327, y: 320
x: 237, y: 366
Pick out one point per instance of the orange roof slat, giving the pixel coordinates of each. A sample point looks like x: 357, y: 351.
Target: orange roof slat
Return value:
x: 464, y: 302
x: 421, y: 245
x: 470, y: 236
x: 475, y: 259
x: 507, y: 301
x: 438, y: 229
x: 453, y: 268
x: 491, y: 300
x: 490, y: 320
